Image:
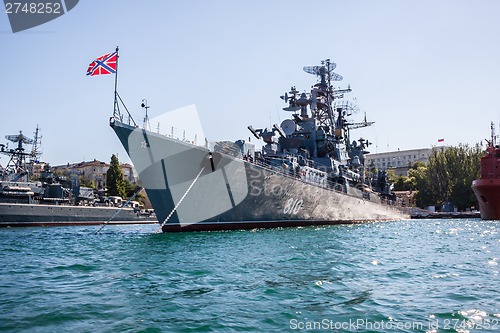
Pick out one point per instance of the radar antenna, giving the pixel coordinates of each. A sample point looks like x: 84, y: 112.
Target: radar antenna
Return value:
x: 325, y: 71
x: 20, y: 139
x: 17, y: 163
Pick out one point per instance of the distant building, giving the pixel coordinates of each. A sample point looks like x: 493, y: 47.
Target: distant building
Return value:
x: 94, y: 171
x: 399, y: 161
x: 128, y: 172
x: 38, y: 168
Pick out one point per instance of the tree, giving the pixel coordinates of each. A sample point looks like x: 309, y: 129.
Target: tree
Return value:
x: 114, y: 178
x: 424, y: 196
x: 466, y: 162
x: 87, y: 182
x: 404, y: 183
x: 448, y: 176
x: 131, y: 189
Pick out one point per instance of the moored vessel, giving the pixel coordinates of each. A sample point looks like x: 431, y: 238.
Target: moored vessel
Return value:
x: 46, y: 202
x: 309, y: 172
x: 487, y: 187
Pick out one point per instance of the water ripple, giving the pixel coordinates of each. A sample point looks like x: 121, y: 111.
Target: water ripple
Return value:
x: 406, y: 276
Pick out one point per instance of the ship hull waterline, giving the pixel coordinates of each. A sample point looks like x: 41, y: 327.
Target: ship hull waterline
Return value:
x: 29, y: 215
x: 487, y: 193
x: 193, y: 189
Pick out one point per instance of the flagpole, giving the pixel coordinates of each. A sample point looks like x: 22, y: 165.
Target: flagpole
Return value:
x: 116, y: 112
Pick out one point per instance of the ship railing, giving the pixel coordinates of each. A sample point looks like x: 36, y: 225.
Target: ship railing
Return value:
x: 118, y: 115
x: 327, y: 185
x: 173, y: 132
x: 179, y: 134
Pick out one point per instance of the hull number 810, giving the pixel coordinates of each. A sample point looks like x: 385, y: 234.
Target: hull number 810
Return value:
x: 293, y: 206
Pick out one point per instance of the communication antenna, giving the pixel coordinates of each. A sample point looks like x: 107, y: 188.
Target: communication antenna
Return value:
x: 348, y: 107
x: 145, y: 106
x: 493, y: 135
x: 291, y: 100
x: 288, y: 126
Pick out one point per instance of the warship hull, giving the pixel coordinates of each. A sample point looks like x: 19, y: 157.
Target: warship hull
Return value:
x: 28, y: 215
x: 194, y: 189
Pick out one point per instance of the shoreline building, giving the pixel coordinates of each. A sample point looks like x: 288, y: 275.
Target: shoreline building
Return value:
x: 400, y: 161
x: 94, y: 171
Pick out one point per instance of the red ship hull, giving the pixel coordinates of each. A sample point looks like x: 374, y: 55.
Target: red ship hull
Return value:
x: 487, y: 192
x: 487, y: 187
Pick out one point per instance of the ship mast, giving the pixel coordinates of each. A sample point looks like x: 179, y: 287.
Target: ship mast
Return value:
x: 493, y: 136
x: 37, y: 141
x: 323, y: 94
x: 117, y: 114
x: 116, y: 109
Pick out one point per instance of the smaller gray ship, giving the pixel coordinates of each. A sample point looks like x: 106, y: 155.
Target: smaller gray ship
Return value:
x: 51, y: 202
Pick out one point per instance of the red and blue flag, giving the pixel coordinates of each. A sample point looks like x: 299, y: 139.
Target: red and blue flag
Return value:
x: 105, y: 64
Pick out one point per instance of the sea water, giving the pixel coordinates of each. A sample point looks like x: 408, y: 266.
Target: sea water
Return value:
x: 404, y: 276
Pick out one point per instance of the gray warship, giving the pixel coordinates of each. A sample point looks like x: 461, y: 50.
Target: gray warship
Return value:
x: 307, y: 173
x: 47, y: 202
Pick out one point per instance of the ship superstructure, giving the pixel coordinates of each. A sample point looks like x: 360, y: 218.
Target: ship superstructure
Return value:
x: 316, y: 140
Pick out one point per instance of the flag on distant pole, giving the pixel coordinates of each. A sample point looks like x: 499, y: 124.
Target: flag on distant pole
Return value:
x: 105, y: 64
x: 440, y: 140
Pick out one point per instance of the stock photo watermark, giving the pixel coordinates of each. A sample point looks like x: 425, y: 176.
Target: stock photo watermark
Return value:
x: 363, y: 325
x: 24, y: 15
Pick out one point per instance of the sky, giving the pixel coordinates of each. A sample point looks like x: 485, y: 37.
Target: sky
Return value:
x: 422, y: 70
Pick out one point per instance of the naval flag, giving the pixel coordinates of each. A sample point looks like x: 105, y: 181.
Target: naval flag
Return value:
x: 105, y: 64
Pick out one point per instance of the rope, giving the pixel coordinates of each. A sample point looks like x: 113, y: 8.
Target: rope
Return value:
x: 180, y: 201
x: 119, y: 210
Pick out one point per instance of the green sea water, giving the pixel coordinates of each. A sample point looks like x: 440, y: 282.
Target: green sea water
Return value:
x: 405, y: 276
